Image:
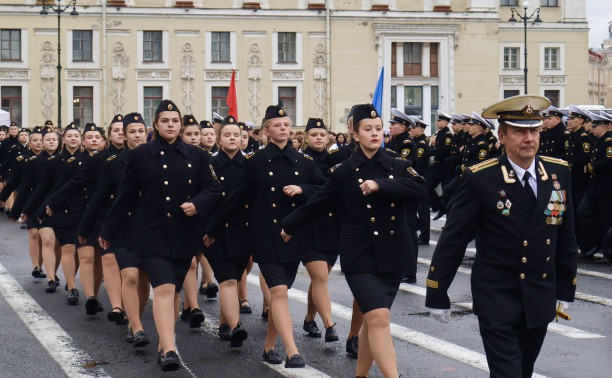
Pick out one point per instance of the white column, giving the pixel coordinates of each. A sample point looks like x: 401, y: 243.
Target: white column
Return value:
x: 425, y: 59
x: 399, y: 94
x: 427, y: 105
x: 386, y: 62
x: 399, y: 59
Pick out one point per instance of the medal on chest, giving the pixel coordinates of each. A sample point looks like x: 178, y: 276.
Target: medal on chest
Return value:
x: 556, y: 204
x: 504, y: 203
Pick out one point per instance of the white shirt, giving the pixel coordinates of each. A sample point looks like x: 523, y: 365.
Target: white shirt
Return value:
x: 520, y: 172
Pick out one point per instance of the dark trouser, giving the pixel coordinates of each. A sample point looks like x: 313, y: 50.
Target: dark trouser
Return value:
x: 593, y: 220
x: 434, y: 199
x: 423, y: 220
x: 411, y: 266
x: 511, y: 349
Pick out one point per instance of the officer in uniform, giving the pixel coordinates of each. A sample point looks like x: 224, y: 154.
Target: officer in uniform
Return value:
x: 578, y: 150
x: 422, y: 167
x: 217, y: 119
x: 253, y: 144
x: 477, y: 149
x: 556, y: 134
x: 519, y: 208
x: 440, y: 149
x: 400, y: 142
x: 593, y: 215
x: 452, y: 162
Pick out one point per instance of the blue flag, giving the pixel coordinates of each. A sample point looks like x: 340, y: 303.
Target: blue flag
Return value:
x: 378, y: 93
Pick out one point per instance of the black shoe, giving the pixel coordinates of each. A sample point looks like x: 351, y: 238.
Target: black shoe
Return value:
x: 203, y: 288
x: 211, y: 290
x: 225, y: 332
x: 57, y: 280
x: 330, y: 334
x: 91, y: 306
x: 588, y: 254
x: 197, y: 318
x: 245, y: 308
x: 238, y: 336
x: 140, y: 339
x: 409, y: 279
x: 352, y: 346
x: 311, y: 328
x: 73, y: 297
x: 51, y: 286
x: 423, y: 242
x: 272, y: 357
x: 36, y: 272
x: 118, y: 317
x: 66, y: 286
x: 169, y: 361
x: 186, y: 314
x: 100, y: 307
x: 440, y: 214
x: 129, y: 336
x: 296, y: 361
x: 264, y: 315
x: 23, y: 227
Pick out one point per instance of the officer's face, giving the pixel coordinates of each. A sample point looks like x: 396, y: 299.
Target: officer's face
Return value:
x: 192, y: 135
x: 230, y: 138
x: 92, y: 141
x: 2, y: 135
x: 440, y: 124
x: 416, y: 131
x: 279, y: 130
x: 72, y: 139
x: 396, y: 128
x: 13, y: 131
x: 168, y: 125
x: 574, y: 123
x: 550, y: 122
x: 316, y: 139
x: 135, y: 134
x: 116, y: 133
x: 36, y: 144
x: 520, y: 143
x: 588, y: 126
x: 475, y: 129
x: 369, y: 135
x: 50, y: 142
x: 23, y: 137
x: 601, y: 130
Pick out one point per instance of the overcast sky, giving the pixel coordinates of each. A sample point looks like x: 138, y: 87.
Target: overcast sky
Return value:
x: 599, y: 13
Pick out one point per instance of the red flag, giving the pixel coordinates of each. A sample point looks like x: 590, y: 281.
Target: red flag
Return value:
x: 231, y: 102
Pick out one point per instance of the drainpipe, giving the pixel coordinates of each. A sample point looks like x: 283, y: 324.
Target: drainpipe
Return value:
x: 104, y: 84
x: 327, y: 62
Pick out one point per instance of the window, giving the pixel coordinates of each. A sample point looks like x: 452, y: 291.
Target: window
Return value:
x: 82, y: 105
x: 511, y: 58
x: 152, y: 46
x: 218, y: 101
x: 413, y: 101
x: 286, y: 48
x: 393, y: 96
x: 11, y: 102
x: 434, y: 106
x: 553, y: 95
x: 220, y: 49
x: 549, y: 3
x: 82, y: 45
x: 152, y: 96
x: 551, y: 58
x: 511, y: 92
x: 412, y: 59
x: 509, y: 3
x: 433, y: 59
x: 287, y: 100
x: 11, y: 44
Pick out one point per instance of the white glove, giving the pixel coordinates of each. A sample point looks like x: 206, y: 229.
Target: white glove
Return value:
x: 563, y: 306
x: 442, y: 315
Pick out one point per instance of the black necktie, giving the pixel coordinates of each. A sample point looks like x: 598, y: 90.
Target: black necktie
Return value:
x: 527, y: 188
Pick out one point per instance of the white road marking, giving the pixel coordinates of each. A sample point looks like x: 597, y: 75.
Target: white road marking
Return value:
x: 594, y: 273
x: 60, y: 346
x: 445, y: 348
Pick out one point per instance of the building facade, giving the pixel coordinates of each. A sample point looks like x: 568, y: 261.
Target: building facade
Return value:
x: 315, y: 57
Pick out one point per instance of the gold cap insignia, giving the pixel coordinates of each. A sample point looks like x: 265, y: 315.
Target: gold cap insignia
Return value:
x: 231, y: 120
x: 93, y: 128
x: 119, y: 118
x: 527, y: 110
x: 373, y: 114
x: 135, y: 118
x: 281, y: 112
x: 191, y: 120
x: 169, y: 106
x: 318, y: 123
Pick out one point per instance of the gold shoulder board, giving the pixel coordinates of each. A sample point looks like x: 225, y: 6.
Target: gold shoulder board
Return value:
x: 332, y: 169
x: 485, y: 164
x: 307, y: 156
x: 554, y: 160
x: 111, y: 157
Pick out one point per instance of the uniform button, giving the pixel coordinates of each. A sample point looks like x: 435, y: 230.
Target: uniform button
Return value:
x: 189, y: 165
x: 162, y: 153
x: 112, y: 196
x: 369, y: 206
x: 65, y: 211
x: 331, y: 215
x: 375, y: 233
x: 392, y: 217
x: 169, y: 215
x: 372, y: 219
x: 129, y: 214
x: 391, y: 232
x: 165, y: 182
x: 524, y: 260
x: 297, y: 173
x: 547, y: 259
x: 522, y: 276
x: 547, y: 241
x: 84, y: 189
x: 392, y: 204
x: 188, y: 197
x: 273, y: 205
x: 222, y: 178
x: 246, y: 224
x: 391, y: 176
x: 275, y: 221
x: 360, y: 181
x: 164, y: 166
x: 167, y: 199
x: 272, y: 189
x: 544, y: 275
x: 246, y: 206
x: 357, y: 169
x: 226, y: 225
x: 189, y: 181
x: 271, y: 173
x: 525, y: 243
x: 223, y: 194
x: 292, y: 204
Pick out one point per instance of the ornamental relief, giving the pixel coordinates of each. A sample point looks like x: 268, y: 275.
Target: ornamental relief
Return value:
x: 219, y: 74
x: 518, y: 79
x: 553, y: 79
x: 14, y: 74
x: 153, y: 74
x: 287, y: 75
x: 83, y: 74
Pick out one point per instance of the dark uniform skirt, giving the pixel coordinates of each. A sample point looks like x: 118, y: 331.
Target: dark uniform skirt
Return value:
x: 311, y: 255
x: 374, y: 291
x: 92, y: 238
x: 64, y: 235
x: 230, y: 268
x: 164, y: 270
x: 126, y: 258
x: 32, y: 223
x: 277, y: 274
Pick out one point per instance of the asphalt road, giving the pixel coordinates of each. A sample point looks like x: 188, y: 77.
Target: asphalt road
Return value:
x: 42, y: 336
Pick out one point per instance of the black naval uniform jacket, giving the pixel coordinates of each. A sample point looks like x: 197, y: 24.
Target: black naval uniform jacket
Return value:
x: 555, y: 141
x: 440, y: 151
x: 5, y: 147
x: 51, y: 180
x: 10, y: 159
x: 475, y: 151
x: 344, y: 152
x: 423, y: 154
x: 43, y: 182
x: 159, y: 178
x: 405, y: 147
x: 106, y: 191
x: 233, y: 241
x: 492, y: 140
x: 374, y: 234
x: 578, y: 154
x: 32, y: 174
x: 16, y: 175
x: 453, y: 160
x: 600, y: 168
x: 264, y: 174
x: 524, y: 263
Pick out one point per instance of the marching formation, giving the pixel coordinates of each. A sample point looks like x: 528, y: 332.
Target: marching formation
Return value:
x: 143, y: 206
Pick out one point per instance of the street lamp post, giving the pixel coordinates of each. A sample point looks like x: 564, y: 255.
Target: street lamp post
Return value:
x: 525, y: 18
x: 59, y: 10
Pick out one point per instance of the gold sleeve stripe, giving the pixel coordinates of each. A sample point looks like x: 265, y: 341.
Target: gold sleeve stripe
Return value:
x: 431, y: 283
x: 574, y: 281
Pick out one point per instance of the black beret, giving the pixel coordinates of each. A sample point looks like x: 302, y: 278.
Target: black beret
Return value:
x: 3, y: 128
x: 166, y: 106
x: 350, y: 113
x: 274, y: 111
x: 24, y: 130
x: 117, y: 118
x: 242, y: 126
x: 48, y: 123
x: 46, y: 130
x: 189, y: 119
x: 133, y: 118
x: 37, y: 130
x: 71, y: 126
x: 364, y: 111
x: 315, y: 123
x: 92, y: 127
x: 205, y: 125
x: 229, y: 120
x: 13, y: 123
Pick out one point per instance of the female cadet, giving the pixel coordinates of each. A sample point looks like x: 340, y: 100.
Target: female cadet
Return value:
x: 166, y: 183
x: 322, y: 248
x: 51, y: 251
x: 229, y: 255
x: 134, y: 284
x: 209, y: 137
x: 191, y: 313
x: 71, y: 198
x: 279, y: 178
x: 371, y: 189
